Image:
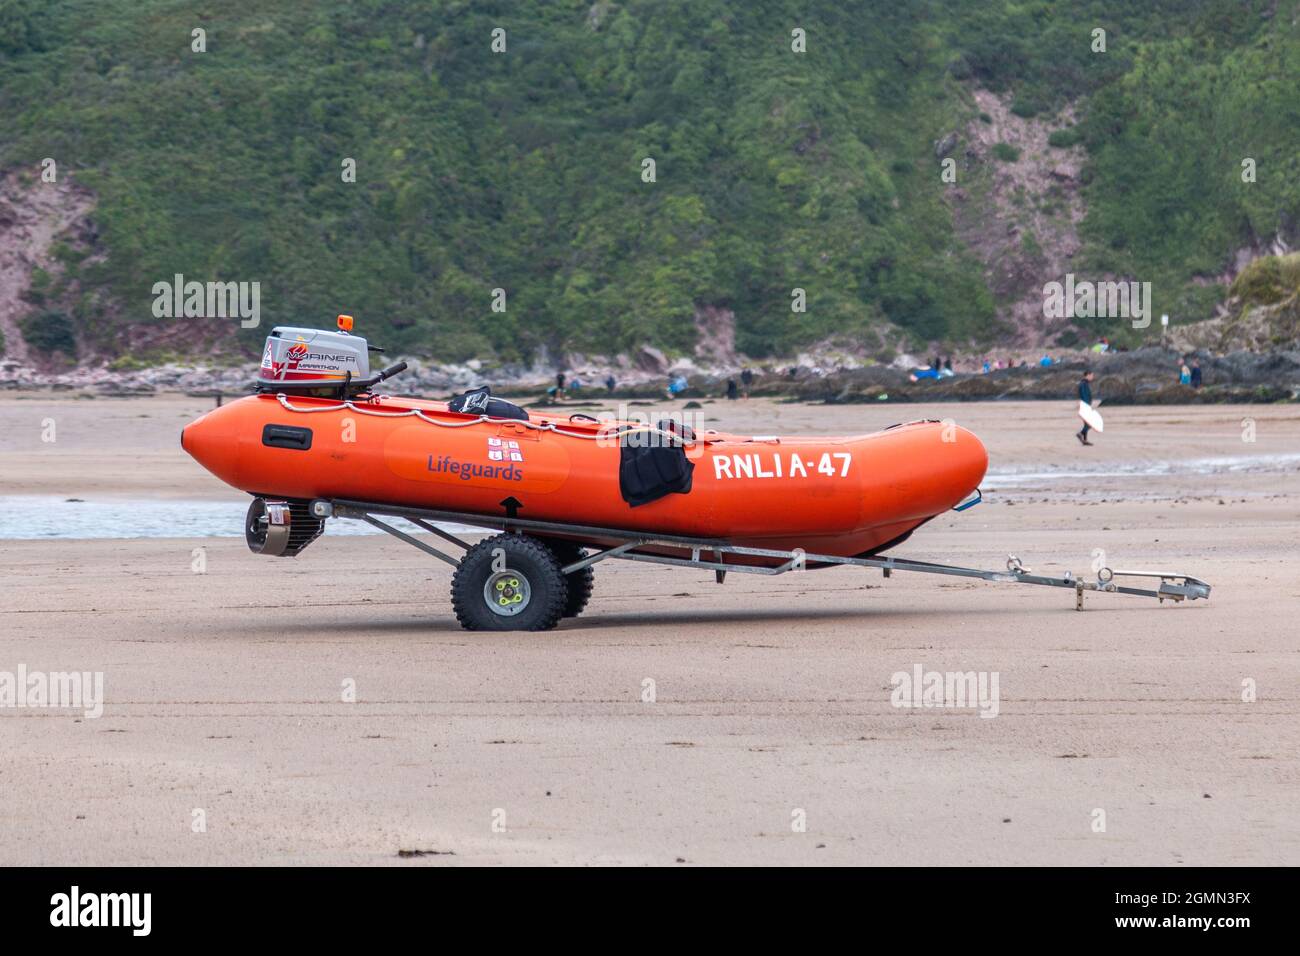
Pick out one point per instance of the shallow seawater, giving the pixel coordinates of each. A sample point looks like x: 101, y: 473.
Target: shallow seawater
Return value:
x: 38, y: 517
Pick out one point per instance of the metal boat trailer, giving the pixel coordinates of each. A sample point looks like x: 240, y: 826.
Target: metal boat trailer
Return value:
x: 704, y: 554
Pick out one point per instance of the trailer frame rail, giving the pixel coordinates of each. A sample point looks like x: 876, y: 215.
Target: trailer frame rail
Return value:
x: 709, y: 554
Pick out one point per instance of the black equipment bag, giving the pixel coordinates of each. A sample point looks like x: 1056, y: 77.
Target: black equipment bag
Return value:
x: 659, y: 467
x: 479, y: 401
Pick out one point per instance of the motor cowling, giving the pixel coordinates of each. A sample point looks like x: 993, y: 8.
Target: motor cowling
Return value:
x: 299, y: 360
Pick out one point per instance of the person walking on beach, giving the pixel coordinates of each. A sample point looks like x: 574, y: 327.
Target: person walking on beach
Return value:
x: 1196, y: 373
x: 746, y: 380
x: 1085, y: 397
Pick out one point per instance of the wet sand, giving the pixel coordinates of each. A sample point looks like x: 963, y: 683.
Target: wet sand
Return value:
x: 224, y: 689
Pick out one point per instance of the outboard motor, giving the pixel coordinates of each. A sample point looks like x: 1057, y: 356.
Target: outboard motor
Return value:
x: 314, y: 362
x: 280, y: 529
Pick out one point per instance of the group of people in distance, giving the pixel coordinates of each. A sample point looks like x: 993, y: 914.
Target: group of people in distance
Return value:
x: 939, y: 368
x: 1189, y: 373
x: 565, y: 386
x: 746, y: 380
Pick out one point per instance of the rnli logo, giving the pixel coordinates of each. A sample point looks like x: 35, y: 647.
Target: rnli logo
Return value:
x: 504, y: 450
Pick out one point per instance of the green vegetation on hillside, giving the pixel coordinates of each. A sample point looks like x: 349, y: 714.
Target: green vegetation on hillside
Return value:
x: 523, y: 170
x: 1268, y: 280
x: 1168, y: 141
x: 50, y: 332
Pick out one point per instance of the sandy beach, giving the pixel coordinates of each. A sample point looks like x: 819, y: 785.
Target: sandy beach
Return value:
x: 771, y: 736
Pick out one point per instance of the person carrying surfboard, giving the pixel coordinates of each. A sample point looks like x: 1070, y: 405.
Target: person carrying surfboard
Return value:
x: 1085, y: 407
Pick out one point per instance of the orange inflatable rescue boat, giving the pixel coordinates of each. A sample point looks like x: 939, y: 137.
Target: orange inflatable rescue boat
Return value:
x: 316, y: 441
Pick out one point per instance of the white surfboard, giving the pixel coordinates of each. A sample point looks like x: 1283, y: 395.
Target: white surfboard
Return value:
x: 1091, y: 416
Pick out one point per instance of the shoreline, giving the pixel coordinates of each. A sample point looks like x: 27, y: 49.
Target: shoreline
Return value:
x: 1146, y: 376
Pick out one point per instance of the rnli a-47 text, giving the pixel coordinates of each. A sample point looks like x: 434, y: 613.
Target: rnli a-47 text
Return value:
x: 830, y: 464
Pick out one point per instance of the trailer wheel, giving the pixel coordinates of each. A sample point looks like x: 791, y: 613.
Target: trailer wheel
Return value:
x: 509, y: 582
x: 580, y: 582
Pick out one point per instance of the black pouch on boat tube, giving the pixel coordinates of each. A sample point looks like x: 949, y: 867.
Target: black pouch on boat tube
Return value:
x: 648, y: 471
x: 479, y: 401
